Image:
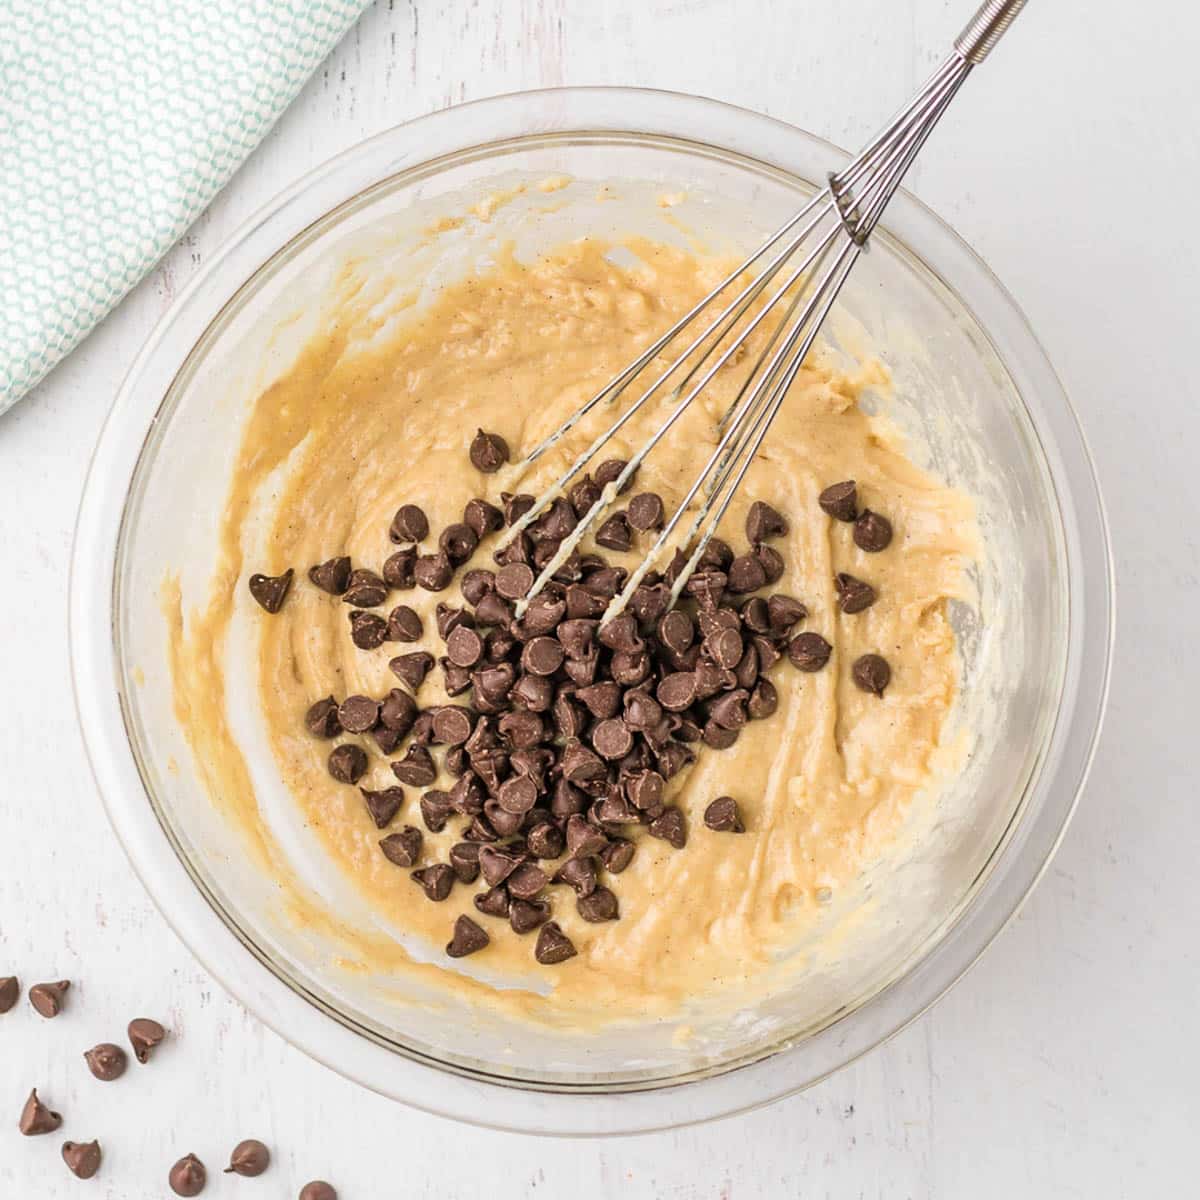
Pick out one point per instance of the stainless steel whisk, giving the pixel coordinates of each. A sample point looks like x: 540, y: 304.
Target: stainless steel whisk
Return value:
x: 835, y: 225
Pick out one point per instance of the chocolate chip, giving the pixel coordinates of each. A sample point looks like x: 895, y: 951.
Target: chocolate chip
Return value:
x: 677, y: 691
x: 435, y: 810
x: 493, y: 609
x: 468, y: 938
x: 144, y: 1035
x: 365, y: 590
x: 476, y: 584
x: 357, y: 714
x: 347, y: 763
x: 435, y: 881
x: 332, y: 576
x: 412, y: 668
x: 383, y: 805
x: 615, y: 534
x: 322, y: 719
x: 606, y: 581
x: 602, y: 699
x: 746, y: 574
x: 649, y: 602
x: 514, y: 580
x: 746, y: 671
x: 452, y: 725
x: 10, y: 991
x: 708, y: 586
x: 872, y: 673
x: 526, y: 915
x: 782, y: 613
x: 515, y: 507
x: 494, y: 902
x: 809, y: 651
x: 854, y: 595
x: 106, y: 1061
x: 249, y: 1159
x: 553, y: 946
x: 608, y: 471
x: 318, y: 1189
x: 398, y: 711
x: 482, y: 517
x: 526, y: 881
x: 546, y: 841
x: 386, y: 739
x: 270, y: 590
x: 840, y: 500
x: 670, y: 827
x: 37, y: 1118
x: 416, y: 767
x: 404, y: 624
x: 188, y: 1176
x: 458, y: 542
x: 583, y: 840
x: 617, y: 855
x: 455, y: 680
x: 756, y: 615
x: 498, y: 862
x: 642, y: 711
x: 725, y: 648
x: 448, y: 619
x: 764, y: 522
x: 533, y: 692
x: 579, y: 764
x: 718, y: 736
x: 676, y: 631
x: 729, y: 710
x: 367, y: 630
x: 402, y: 848
x: 467, y: 794
x: 723, y: 817
x: 489, y: 452
x: 433, y: 572
x: 764, y: 700
x: 584, y: 494
x: 47, y: 998
x: 583, y: 602
x: 555, y: 523
x: 464, y: 861
x: 579, y: 873
x: 646, y: 511
x: 464, y: 647
x: 872, y: 532
x: 611, y: 739
x: 542, y: 656
x: 410, y: 524
x: 771, y: 562
x: 517, y: 795
x: 82, y: 1158
x: 644, y: 789
x: 600, y: 906
x: 398, y: 569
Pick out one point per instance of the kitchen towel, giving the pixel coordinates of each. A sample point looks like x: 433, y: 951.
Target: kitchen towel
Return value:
x: 119, y: 121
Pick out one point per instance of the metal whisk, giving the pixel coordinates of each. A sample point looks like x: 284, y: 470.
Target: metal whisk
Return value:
x: 812, y: 254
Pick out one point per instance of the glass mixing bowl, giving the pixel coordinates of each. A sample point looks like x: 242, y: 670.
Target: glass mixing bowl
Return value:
x: 984, y: 410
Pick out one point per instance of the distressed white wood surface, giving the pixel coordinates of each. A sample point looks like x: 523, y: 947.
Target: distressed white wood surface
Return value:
x: 1066, y: 1063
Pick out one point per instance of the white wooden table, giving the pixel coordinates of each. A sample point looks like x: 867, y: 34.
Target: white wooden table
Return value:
x: 1066, y: 1063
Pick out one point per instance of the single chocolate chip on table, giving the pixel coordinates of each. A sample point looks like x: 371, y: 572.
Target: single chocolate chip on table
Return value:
x: 144, y: 1036
x: 188, y: 1176
x: 489, y: 452
x: 48, y: 998
x: 106, y: 1061
x: 410, y: 524
x: 553, y: 946
x: 468, y: 938
x: 36, y: 1118
x: 82, y: 1158
x: 854, y: 595
x: 872, y: 532
x: 318, y: 1189
x: 840, y: 500
x: 250, y: 1158
x: 872, y: 673
x: 270, y: 590
x: 722, y: 816
x: 332, y: 576
x: 348, y: 763
x: 10, y: 991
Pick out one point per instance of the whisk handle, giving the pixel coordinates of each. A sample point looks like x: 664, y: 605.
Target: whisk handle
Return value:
x: 986, y: 28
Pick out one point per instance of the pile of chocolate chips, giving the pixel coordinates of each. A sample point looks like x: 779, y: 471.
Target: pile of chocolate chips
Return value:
x: 567, y: 732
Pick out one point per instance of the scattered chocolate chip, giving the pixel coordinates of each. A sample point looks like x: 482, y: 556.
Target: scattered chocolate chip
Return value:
x: 555, y: 523
x: 608, y: 471
x: 764, y: 700
x: 722, y: 816
x: 542, y: 656
x: 782, y: 613
x: 645, y: 511
x: 10, y: 990
x: 553, y: 946
x: 526, y: 881
x: 677, y: 691
x: 452, y: 725
x: 47, y: 998
x: 670, y: 827
x: 526, y: 915
x: 82, y: 1158
x: 318, y: 1189
x: 476, y: 584
x: 840, y: 500
x: 332, y: 576
x: 357, y: 714
x: 725, y: 648
x: 617, y: 855
x: 464, y: 861
x: 403, y: 848
x: 872, y: 673
x: 584, y: 603
x: 498, y: 862
x: 468, y: 938
x: 458, y: 542
x: 809, y: 651
x: 533, y: 692
x: 322, y: 719
x: 872, y: 532
x: 854, y: 595
x: 366, y: 589
x: 515, y: 507
x: 410, y: 524
x: 514, y: 580
x: 583, y: 495
x: 368, y: 631
x: 144, y: 1036
x: 435, y: 881
x: 464, y: 646
x: 404, y: 624
x: 771, y: 562
x: 188, y: 1176
x: 37, y: 1118
x: 383, y: 805
x: 764, y: 522
x: 494, y: 902
x: 398, y: 569
x: 482, y: 517
x: 347, y: 763
x: 546, y: 841
x: 600, y: 905
x: 270, y: 590
x: 583, y: 839
x: 612, y: 739
x: 606, y: 581
x: 433, y: 572
x: 398, y: 711
x: 435, y: 810
x: 249, y: 1158
x: 412, y: 668
x: 489, y: 452
x: 615, y: 534
x: 106, y: 1061
x: 455, y: 680
x: 517, y: 795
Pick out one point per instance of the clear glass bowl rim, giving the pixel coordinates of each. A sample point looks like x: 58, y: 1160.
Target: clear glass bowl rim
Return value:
x: 285, y: 1007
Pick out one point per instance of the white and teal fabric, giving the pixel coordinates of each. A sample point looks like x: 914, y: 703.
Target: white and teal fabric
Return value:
x: 119, y: 121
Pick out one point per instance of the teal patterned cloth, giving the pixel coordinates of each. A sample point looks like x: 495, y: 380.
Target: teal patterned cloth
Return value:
x: 119, y: 121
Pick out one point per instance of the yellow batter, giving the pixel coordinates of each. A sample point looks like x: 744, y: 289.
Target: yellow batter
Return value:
x: 823, y: 785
